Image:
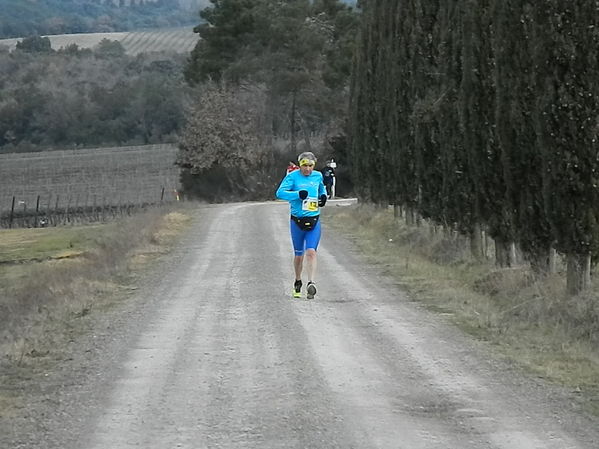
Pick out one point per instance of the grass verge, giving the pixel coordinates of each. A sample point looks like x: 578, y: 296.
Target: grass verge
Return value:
x: 51, y: 278
x: 530, y: 322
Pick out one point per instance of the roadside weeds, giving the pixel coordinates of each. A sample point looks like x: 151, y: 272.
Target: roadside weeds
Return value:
x: 530, y: 322
x: 43, y: 304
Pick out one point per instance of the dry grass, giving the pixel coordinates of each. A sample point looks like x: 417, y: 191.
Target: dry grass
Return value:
x: 41, y: 301
x: 530, y: 321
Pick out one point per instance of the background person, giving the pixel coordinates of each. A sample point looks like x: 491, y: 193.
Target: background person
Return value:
x: 328, y: 176
x: 292, y: 167
x: 306, y: 194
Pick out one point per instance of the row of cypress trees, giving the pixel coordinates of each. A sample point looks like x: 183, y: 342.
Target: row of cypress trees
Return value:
x: 484, y: 114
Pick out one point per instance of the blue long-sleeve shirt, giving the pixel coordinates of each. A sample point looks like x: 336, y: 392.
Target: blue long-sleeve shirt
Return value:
x: 289, y: 191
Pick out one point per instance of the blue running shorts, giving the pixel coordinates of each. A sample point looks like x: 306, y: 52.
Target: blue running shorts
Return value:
x: 303, y: 240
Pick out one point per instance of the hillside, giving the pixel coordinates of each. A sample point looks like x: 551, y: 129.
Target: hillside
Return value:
x: 45, y: 17
x: 177, y: 40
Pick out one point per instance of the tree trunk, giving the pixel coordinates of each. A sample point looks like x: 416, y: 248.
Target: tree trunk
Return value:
x: 293, y: 119
x: 476, y: 242
x: 305, y: 133
x: 396, y: 211
x: 410, y: 216
x: 503, y: 251
x: 552, y: 261
x: 271, y: 118
x: 513, y: 254
x: 543, y: 263
x: 578, y: 273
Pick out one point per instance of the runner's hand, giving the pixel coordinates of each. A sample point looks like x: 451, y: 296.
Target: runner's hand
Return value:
x: 322, y: 201
x: 303, y: 194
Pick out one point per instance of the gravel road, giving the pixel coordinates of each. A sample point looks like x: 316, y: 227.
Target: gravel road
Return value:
x: 214, y: 353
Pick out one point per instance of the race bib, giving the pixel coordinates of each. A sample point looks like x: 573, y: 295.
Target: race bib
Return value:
x: 310, y: 205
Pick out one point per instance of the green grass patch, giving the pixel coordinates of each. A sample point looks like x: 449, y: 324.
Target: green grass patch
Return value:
x: 18, y: 245
x: 20, y: 248
x: 51, y: 277
x: 47, y: 300
x: 528, y: 321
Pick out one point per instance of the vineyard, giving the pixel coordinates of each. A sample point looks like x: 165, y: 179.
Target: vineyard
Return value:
x: 88, y: 178
x: 177, y: 40
x: 181, y: 40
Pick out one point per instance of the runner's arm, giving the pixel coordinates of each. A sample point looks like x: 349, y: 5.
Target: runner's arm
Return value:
x: 285, y: 190
x: 322, y: 190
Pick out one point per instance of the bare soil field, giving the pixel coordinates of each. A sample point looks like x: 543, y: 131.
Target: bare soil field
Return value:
x: 178, y: 40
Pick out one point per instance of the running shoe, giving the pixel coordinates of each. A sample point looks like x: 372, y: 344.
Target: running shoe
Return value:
x: 311, y: 290
x: 297, y: 289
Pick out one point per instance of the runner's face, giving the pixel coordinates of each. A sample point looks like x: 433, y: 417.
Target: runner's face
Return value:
x: 307, y: 169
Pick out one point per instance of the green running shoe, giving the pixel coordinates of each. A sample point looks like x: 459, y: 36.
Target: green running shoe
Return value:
x: 297, y: 289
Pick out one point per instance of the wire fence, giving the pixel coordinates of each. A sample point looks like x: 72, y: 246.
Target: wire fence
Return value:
x: 54, y: 211
x: 84, y: 185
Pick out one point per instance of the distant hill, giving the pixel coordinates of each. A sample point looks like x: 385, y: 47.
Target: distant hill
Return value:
x: 46, y: 17
x: 175, y: 40
x: 186, y: 4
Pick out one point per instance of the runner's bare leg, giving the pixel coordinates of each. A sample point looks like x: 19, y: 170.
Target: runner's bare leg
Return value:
x: 298, y: 263
x: 311, y: 262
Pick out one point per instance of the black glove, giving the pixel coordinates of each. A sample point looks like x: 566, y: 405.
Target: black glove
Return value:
x: 322, y: 200
x: 303, y: 194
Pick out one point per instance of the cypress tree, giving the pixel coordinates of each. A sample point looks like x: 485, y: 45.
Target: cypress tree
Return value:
x: 393, y: 95
x: 406, y: 183
x: 566, y: 53
x: 473, y: 104
x: 524, y: 214
x: 455, y: 202
x: 425, y: 92
x: 382, y: 156
x: 362, y: 118
x: 477, y: 117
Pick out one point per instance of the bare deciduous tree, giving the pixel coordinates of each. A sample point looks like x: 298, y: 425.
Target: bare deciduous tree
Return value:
x: 225, y: 143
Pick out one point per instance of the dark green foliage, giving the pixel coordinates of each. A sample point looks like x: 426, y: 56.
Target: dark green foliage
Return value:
x: 566, y: 46
x: 227, y: 29
x: 299, y: 50
x: 298, y: 54
x: 109, y: 49
x: 477, y: 108
x: 522, y: 160
x: 424, y: 97
x: 483, y: 113
x: 35, y: 44
x: 359, y: 119
x: 78, y: 97
x: 370, y: 148
x: 286, y: 45
x: 22, y: 18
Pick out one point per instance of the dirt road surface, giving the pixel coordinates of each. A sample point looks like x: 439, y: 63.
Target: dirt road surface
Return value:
x: 216, y: 354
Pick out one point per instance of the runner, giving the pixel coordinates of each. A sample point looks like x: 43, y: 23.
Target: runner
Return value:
x: 306, y: 193
x: 292, y: 167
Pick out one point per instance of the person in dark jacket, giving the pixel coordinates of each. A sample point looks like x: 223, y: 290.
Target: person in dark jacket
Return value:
x: 328, y: 177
